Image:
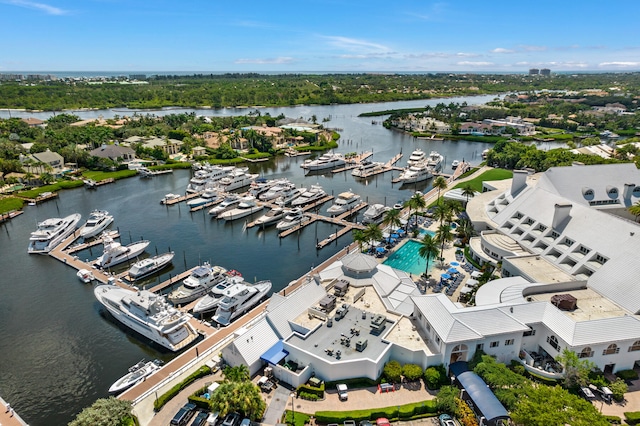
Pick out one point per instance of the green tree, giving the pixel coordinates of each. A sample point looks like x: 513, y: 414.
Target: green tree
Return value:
x: 372, y: 233
x: 443, y: 236
x: 392, y: 218
x: 440, y: 183
x: 392, y: 371
x: 576, y: 370
x: 428, y: 250
x: 238, y: 373
x: 446, y: 400
x: 618, y: 388
x: 412, y: 372
x: 238, y: 396
x: 359, y: 237
x: 417, y: 203
x: 468, y: 191
x: 635, y: 210
x: 104, y: 412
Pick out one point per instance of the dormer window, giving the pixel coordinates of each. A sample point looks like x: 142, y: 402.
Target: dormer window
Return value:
x: 588, y: 193
x: 612, y: 192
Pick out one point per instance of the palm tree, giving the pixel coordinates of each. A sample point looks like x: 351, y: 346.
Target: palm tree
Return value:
x: 465, y: 229
x: 440, y: 183
x: 359, y: 237
x: 417, y: 202
x: 429, y: 250
x: 237, y: 373
x: 392, y: 219
x: 635, y: 210
x: 443, y: 236
x: 372, y: 233
x: 468, y: 191
x: 454, y: 206
x: 443, y: 214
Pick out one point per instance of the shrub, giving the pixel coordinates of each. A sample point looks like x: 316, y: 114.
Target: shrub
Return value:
x: 308, y: 389
x: 307, y: 395
x: 432, y: 378
x: 408, y: 411
x: 627, y: 375
x: 516, y: 367
x: 632, y: 417
x: 166, y: 397
x: 618, y: 388
x: 614, y: 420
x: 392, y: 371
x: 412, y: 372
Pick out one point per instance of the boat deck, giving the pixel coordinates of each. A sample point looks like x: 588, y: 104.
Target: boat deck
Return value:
x: 353, y: 162
x: 181, y: 199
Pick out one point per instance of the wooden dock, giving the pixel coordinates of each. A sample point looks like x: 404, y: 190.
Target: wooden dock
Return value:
x: 353, y: 162
x: 181, y: 199
x: 94, y: 242
x: 337, y: 220
x: 41, y: 198
x: 306, y: 208
x: 171, y: 281
x: 256, y: 160
x: 387, y: 167
x: 4, y: 217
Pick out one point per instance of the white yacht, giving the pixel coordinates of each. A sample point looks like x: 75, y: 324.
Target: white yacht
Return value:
x: 309, y: 196
x: 209, y: 195
x: 289, y: 195
x: 435, y: 161
x: 169, y: 197
x: 246, y: 207
x: 196, y: 285
x: 136, y: 374
x: 148, y: 266
x: 367, y: 168
x: 416, y: 173
x: 210, y: 301
x: 148, y: 314
x: 271, y: 217
x: 197, y: 182
x: 235, y: 180
x: 230, y: 202
x: 292, y: 218
x: 97, y: 222
x: 115, y: 253
x: 85, y: 275
x: 207, y: 175
x: 416, y: 157
x: 261, y: 185
x: 325, y: 161
x: 375, y: 213
x: 344, y: 202
x: 51, y: 232
x: 238, y: 299
x: 455, y: 164
x: 276, y: 190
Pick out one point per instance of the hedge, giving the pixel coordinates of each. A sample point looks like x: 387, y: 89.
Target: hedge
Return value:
x: 614, y: 420
x: 627, y: 375
x: 308, y: 389
x: 166, y: 397
x: 632, y: 417
x: 63, y: 184
x: 407, y: 411
x: 199, y: 400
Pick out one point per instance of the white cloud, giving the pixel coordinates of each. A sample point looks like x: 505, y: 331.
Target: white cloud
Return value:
x: 278, y: 60
x: 529, y: 48
x: 475, y: 64
x: 435, y: 12
x: 620, y: 64
x: 353, y: 44
x: 502, y: 50
x: 48, y: 9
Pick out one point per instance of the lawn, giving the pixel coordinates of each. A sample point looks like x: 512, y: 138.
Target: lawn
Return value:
x: 98, y: 175
x: 10, y: 203
x: 493, y: 174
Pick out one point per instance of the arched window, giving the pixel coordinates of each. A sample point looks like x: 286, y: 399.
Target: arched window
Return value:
x: 611, y: 349
x: 460, y: 348
x: 635, y: 346
x: 553, y: 341
x: 586, y: 352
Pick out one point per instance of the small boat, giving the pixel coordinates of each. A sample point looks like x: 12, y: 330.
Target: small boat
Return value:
x: 238, y: 299
x: 85, y: 275
x: 148, y: 266
x: 485, y: 153
x: 198, y: 283
x: 289, y: 195
x: 246, y: 207
x: 416, y: 157
x: 97, y: 222
x: 313, y: 194
x: 136, y: 374
x: 90, y: 183
x: 325, y: 161
x: 210, y: 195
x: 169, y: 197
x: 292, y: 218
x: 115, y: 253
x: 51, y: 232
x: 271, y: 217
x: 227, y: 204
x: 345, y: 201
x: 455, y: 164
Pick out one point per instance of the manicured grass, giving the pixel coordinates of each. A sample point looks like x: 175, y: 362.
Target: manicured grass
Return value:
x: 179, y: 165
x: 300, y: 418
x: 99, y: 175
x: 63, y: 184
x: 494, y: 174
x: 10, y: 203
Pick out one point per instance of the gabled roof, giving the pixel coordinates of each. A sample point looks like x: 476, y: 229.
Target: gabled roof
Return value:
x: 253, y: 342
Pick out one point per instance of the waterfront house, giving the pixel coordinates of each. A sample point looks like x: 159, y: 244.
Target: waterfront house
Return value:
x: 114, y: 152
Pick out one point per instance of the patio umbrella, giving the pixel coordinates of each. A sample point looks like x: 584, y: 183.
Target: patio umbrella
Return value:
x: 400, y: 231
x: 385, y: 234
x: 380, y: 249
x: 454, y: 263
x: 395, y: 236
x: 452, y: 270
x: 445, y: 276
x: 392, y: 240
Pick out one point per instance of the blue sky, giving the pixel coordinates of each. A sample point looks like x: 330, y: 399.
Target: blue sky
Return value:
x: 318, y: 35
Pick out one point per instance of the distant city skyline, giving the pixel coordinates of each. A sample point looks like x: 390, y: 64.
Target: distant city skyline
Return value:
x: 318, y: 36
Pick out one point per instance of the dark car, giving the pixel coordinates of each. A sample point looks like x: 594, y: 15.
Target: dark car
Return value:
x: 232, y: 419
x: 183, y: 415
x: 201, y: 419
x: 365, y: 423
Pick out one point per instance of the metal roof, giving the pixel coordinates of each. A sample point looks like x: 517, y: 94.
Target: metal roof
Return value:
x: 482, y: 397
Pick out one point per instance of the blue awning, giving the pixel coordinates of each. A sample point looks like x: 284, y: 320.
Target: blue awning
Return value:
x: 482, y: 397
x: 275, y: 353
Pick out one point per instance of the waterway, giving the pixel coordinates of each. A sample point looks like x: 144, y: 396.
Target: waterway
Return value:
x: 59, y: 351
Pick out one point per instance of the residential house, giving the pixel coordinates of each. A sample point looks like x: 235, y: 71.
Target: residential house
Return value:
x: 114, y: 152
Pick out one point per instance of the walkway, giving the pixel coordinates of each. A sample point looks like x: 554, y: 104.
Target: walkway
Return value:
x: 9, y: 418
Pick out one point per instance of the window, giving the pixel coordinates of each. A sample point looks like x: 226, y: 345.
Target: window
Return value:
x: 531, y: 332
x: 529, y: 221
x: 554, y: 235
x: 518, y: 215
x: 568, y: 242
x: 611, y: 349
x: 586, y: 353
x: 494, y: 344
x: 509, y: 342
x: 542, y: 228
x: 635, y: 346
x: 553, y: 341
x: 601, y: 259
x: 480, y: 347
x: 582, y: 249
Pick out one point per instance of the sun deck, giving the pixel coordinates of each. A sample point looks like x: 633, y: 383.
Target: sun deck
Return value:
x: 591, y: 305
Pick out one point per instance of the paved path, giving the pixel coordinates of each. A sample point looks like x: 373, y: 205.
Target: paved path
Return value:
x: 9, y: 417
x: 277, y: 402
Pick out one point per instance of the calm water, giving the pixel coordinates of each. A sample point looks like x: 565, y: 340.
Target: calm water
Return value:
x: 59, y: 352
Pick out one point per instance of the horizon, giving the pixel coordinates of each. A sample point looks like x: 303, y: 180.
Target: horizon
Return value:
x: 410, y: 36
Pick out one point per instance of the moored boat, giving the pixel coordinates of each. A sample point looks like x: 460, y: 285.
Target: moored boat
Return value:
x: 148, y: 266
x: 292, y: 218
x: 375, y: 213
x: 239, y: 299
x: 211, y: 300
x: 136, y: 374
x: 270, y: 217
x: 325, y: 161
x: 197, y: 283
x: 85, y: 275
x: 416, y: 157
x: 51, y: 232
x: 115, y: 253
x: 435, y: 160
x: 246, y: 207
x: 455, y: 164
x: 367, y: 168
x: 230, y: 202
x: 344, y: 202
x: 97, y: 222
x: 416, y: 173
x: 313, y: 194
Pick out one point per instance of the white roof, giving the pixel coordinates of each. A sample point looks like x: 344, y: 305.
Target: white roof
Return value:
x: 285, y: 309
x: 254, y: 342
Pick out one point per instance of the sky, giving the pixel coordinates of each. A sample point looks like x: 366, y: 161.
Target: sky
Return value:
x: 319, y: 35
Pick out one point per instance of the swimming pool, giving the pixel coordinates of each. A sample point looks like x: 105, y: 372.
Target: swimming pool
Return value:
x: 406, y: 258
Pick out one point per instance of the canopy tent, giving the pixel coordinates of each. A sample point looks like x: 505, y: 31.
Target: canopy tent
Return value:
x: 471, y: 283
x: 399, y: 231
x: 275, y: 353
x: 454, y: 263
x: 452, y: 271
x: 465, y: 290
x: 394, y: 235
x: 445, y: 276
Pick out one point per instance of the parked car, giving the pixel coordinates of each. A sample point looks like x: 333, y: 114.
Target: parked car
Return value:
x: 184, y: 415
x: 365, y: 423
x: 382, y: 421
x: 245, y: 422
x: 446, y: 420
x: 587, y: 393
x: 342, y: 391
x: 213, y: 418
x: 349, y: 423
x: 201, y: 419
x: 232, y: 419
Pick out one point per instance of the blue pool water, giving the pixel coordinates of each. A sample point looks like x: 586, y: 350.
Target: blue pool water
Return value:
x: 423, y: 232
x: 407, y: 259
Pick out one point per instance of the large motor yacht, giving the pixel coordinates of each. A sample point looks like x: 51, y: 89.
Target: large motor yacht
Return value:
x: 416, y: 157
x: 211, y: 300
x: 313, y: 194
x: 230, y: 202
x: 325, y: 161
x: 208, y: 196
x: 246, y: 207
x: 367, y: 169
x: 236, y: 180
x: 196, y: 285
x: 238, y: 299
x: 276, y: 190
x: 51, y: 232
x: 435, y: 161
x: 374, y: 214
x: 115, y: 253
x: 416, y: 173
x: 292, y: 218
x: 344, y: 202
x: 270, y: 217
x: 148, y: 266
x: 148, y: 314
x: 136, y: 374
x: 97, y: 222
